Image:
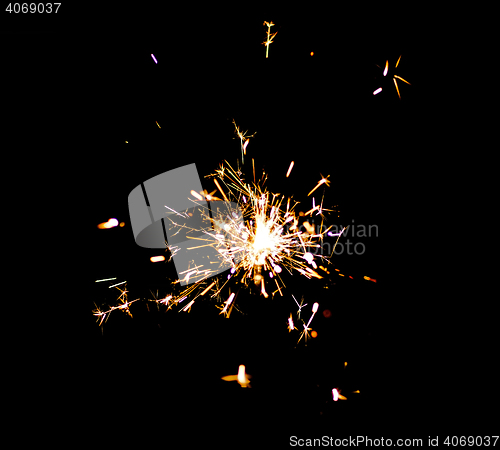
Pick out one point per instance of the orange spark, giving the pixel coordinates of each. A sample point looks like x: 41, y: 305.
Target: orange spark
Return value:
x: 323, y: 180
x: 220, y: 189
x: 396, y: 84
x: 109, y: 224
x: 386, y: 68
x: 242, y: 378
x: 289, y: 169
x: 157, y: 258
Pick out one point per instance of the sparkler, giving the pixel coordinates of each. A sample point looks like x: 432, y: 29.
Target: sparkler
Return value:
x: 270, y: 37
x: 257, y: 243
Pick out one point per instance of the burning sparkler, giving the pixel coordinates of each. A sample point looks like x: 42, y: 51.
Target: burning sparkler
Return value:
x: 270, y: 37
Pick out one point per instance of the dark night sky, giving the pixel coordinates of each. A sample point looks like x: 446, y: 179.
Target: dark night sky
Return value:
x: 316, y: 110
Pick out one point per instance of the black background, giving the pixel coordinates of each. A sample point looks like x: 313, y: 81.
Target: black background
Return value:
x: 159, y: 373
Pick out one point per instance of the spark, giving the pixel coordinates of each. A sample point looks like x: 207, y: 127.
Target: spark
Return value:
x: 242, y: 377
x: 270, y: 37
x: 336, y: 395
x: 306, y: 326
x: 154, y: 59
x: 123, y: 305
x: 117, y: 284
x: 289, y: 169
x: 105, y: 279
x: 207, y: 289
x: 244, y: 140
x: 228, y: 302
x: 393, y: 78
x: 320, y: 182
x: 196, y: 195
x: 109, y: 224
x: 220, y: 189
x: 290, y: 324
x: 158, y: 124
x: 157, y: 258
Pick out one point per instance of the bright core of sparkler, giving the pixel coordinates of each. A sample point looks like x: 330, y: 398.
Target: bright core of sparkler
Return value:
x: 268, y: 239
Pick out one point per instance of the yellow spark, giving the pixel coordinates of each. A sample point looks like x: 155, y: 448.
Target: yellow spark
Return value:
x: 398, y: 61
x: 399, y: 78
x: 158, y: 124
x: 157, y: 258
x: 269, y: 39
x: 207, y: 289
x: 323, y: 180
x: 396, y: 84
x: 220, y: 190
x: 242, y: 377
x: 386, y: 68
x: 243, y: 137
x: 289, y: 169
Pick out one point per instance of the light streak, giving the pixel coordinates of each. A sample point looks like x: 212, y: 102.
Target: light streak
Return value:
x: 158, y: 125
x: 154, y: 59
x: 105, y: 279
x: 376, y: 91
x: 270, y: 37
x: 289, y: 169
x: 386, y: 67
x: 117, y: 284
